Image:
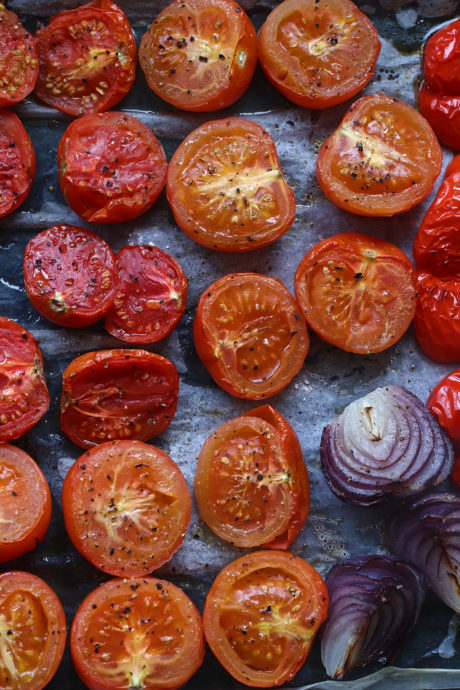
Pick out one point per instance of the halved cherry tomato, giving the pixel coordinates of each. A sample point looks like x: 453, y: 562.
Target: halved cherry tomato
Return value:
x: 117, y: 394
x: 24, y: 397
x: 126, y: 507
x: 226, y: 187
x: 356, y: 292
x: 87, y: 58
x: 318, y: 53
x: 250, y: 335
x: 444, y: 403
x: 442, y: 111
x: 262, y: 614
x: 33, y: 632
x: 25, y: 503
x: 17, y: 163
x: 251, y: 483
x: 199, y: 55
x: 442, y: 59
x: 70, y: 275
x: 151, y: 296
x: 382, y: 159
x: 111, y: 167
x: 137, y: 633
x: 437, y: 317
x: 18, y: 59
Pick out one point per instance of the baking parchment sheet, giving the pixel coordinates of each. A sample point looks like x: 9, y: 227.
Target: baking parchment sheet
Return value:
x: 329, y: 380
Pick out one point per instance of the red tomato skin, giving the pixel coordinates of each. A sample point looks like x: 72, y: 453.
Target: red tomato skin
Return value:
x: 18, y: 162
x: 437, y: 317
x: 442, y: 59
x: 444, y: 403
x: 453, y: 167
x: 13, y: 39
x: 443, y: 113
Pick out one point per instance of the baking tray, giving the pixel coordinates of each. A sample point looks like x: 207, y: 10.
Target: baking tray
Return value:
x: 329, y: 380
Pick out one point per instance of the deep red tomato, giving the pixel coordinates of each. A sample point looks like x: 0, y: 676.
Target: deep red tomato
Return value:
x: 25, y: 503
x: 137, y: 633
x: 24, y: 396
x: 251, y: 483
x: 442, y: 59
x: 199, y: 55
x: 117, y: 394
x: 33, y: 618
x: 226, y: 187
x: 18, y: 59
x: 111, y: 167
x: 356, y: 292
x: 262, y: 614
x: 318, y: 53
x: 382, y: 159
x: 151, y: 296
x: 444, y: 403
x: 17, y: 163
x: 437, y: 317
x: 443, y: 113
x: 87, y: 58
x: 250, y: 335
x: 126, y: 507
x: 70, y: 275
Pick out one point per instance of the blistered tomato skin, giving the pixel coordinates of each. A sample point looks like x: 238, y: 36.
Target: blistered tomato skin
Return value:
x: 442, y: 59
x: 442, y: 111
x: 18, y: 59
x: 17, y: 156
x: 444, y: 403
x: 437, y: 317
x: 318, y: 54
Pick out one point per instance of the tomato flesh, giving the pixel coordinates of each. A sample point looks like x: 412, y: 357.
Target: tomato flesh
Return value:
x: 17, y: 169
x: 18, y: 59
x: 226, y: 188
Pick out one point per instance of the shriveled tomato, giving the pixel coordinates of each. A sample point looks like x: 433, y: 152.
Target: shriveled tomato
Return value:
x: 262, y: 614
x: 126, y: 507
x: 111, y: 167
x: 137, y: 633
x: 117, y: 394
x: 17, y: 162
x: 151, y: 296
x: 251, y: 483
x: 250, y: 335
x: 453, y: 167
x: 87, y: 58
x: 70, y: 275
x: 25, y: 503
x: 437, y: 317
x: 442, y: 111
x: 356, y: 292
x: 24, y: 396
x: 382, y: 159
x: 444, y: 403
x: 442, y: 59
x: 18, y: 59
x: 318, y: 53
x: 226, y: 188
x: 33, y: 632
x: 199, y: 55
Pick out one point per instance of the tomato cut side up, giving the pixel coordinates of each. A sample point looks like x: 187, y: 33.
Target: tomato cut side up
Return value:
x: 198, y: 55
x: 250, y: 335
x: 117, y: 394
x: 151, y: 296
x: 382, y: 159
x: 442, y: 111
x: 17, y: 163
x: 251, y: 483
x: 437, y: 317
x: 33, y: 632
x: 24, y: 396
x: 137, y: 633
x: 70, y: 275
x: 18, y: 59
x: 356, y: 292
x: 25, y: 503
x: 262, y: 614
x: 111, y: 167
x: 226, y: 187
x: 87, y: 58
x: 318, y: 53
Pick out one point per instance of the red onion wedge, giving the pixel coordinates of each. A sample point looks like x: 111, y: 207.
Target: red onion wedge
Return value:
x: 374, y: 603
x: 386, y: 444
x: 427, y: 533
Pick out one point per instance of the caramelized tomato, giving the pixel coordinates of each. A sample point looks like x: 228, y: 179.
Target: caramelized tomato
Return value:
x: 17, y: 163
x: 437, y: 317
x: 442, y: 111
x: 444, y: 403
x: 18, y: 59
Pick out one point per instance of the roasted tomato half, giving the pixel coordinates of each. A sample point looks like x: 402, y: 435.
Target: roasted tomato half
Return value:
x: 33, y: 632
x: 17, y: 162
x: 318, y: 53
x: 199, y: 55
x: 226, y: 187
x: 251, y: 483
x: 24, y: 396
x: 382, y: 159
x: 250, y: 335
x: 356, y: 292
x: 137, y: 633
x: 111, y: 167
x: 117, y: 394
x: 87, y: 58
x: 18, y: 59
x: 437, y: 317
x: 262, y: 614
